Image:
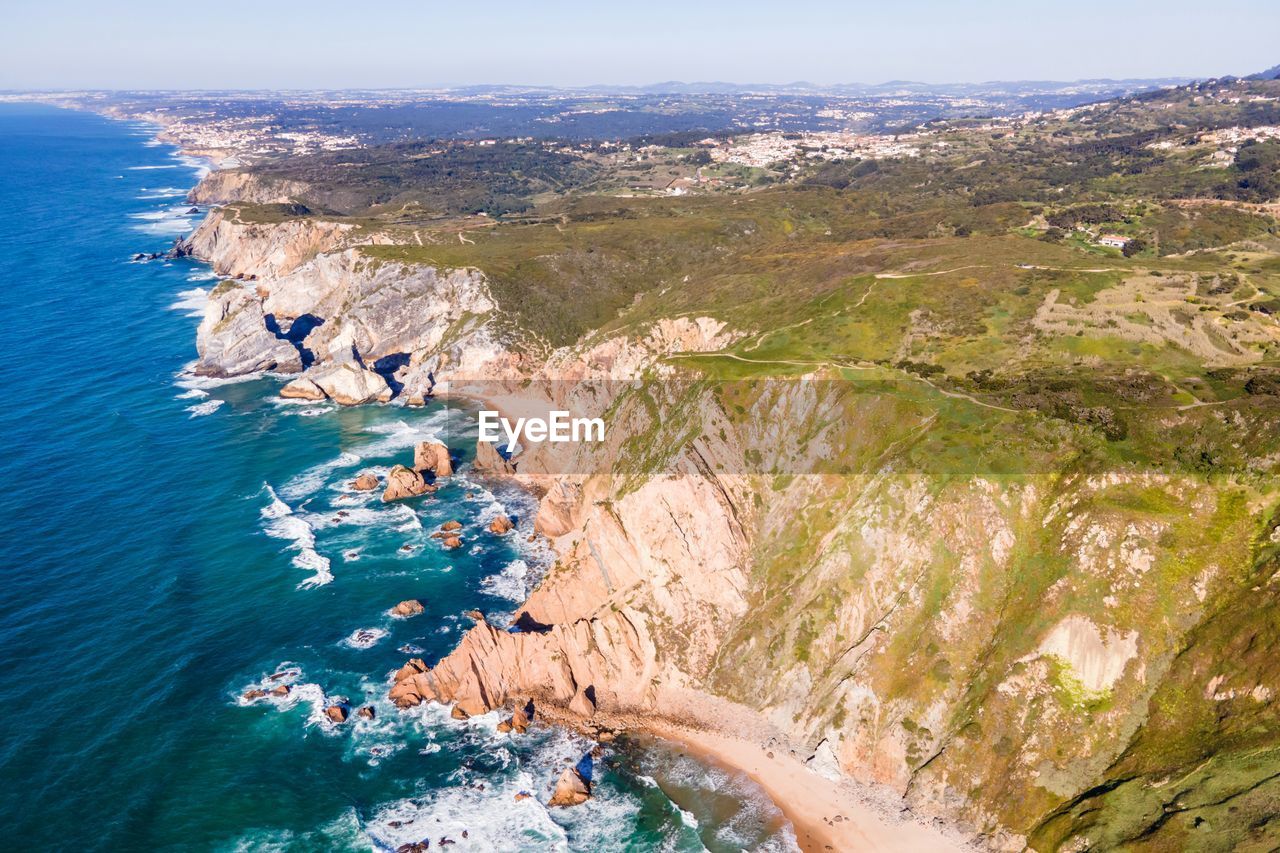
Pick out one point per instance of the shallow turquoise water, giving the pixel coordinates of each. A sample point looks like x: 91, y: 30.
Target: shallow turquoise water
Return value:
x: 169, y: 544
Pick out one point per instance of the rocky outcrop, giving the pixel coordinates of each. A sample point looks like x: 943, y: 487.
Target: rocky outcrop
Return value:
x: 233, y: 339
x: 349, y: 384
x: 266, y: 250
x: 403, y: 482
x: 226, y: 186
x: 571, y: 789
x: 500, y: 525
x: 433, y: 457
x: 408, y: 607
x: 366, y: 482
x: 336, y: 713
x: 612, y: 656
x: 302, y: 388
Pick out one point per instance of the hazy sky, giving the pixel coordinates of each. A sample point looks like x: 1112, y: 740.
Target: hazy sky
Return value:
x: 371, y: 43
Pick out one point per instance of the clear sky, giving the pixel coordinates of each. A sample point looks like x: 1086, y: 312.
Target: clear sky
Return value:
x: 390, y: 43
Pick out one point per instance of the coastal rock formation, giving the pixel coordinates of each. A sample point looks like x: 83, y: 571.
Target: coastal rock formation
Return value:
x: 571, y: 789
x: 408, y: 607
x: 490, y: 667
x: 233, y: 339
x: 336, y: 713
x: 433, y: 457
x: 302, y: 388
x: 500, y: 525
x: 350, y: 384
x: 489, y: 460
x: 403, y: 482
x: 366, y: 482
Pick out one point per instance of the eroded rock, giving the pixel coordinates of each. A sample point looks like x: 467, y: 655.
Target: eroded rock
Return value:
x: 571, y: 789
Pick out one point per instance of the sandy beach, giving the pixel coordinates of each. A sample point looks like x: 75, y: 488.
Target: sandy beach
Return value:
x: 827, y: 815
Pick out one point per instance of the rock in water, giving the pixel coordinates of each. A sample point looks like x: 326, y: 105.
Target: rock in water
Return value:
x: 337, y: 713
x: 433, y: 456
x: 233, y: 338
x: 350, y: 384
x: 367, y: 712
x: 489, y: 459
x: 571, y: 789
x: 452, y: 542
x: 302, y: 388
x: 451, y: 525
x: 403, y: 483
x: 500, y: 525
x: 366, y: 482
x: 250, y: 695
x: 408, y: 607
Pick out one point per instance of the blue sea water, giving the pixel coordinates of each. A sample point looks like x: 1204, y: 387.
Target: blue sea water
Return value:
x: 171, y: 543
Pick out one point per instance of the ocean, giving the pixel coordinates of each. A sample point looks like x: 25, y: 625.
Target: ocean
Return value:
x: 171, y: 543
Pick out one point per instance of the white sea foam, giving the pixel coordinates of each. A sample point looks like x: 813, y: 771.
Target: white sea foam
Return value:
x: 193, y: 394
x: 151, y: 193
x: 314, y: 478
x: 202, y: 275
x: 191, y: 302
x: 364, y: 638
x: 208, y: 407
x: 150, y: 168
x: 283, y: 523
x: 510, y: 583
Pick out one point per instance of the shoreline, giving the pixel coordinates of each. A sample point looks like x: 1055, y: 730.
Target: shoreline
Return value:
x: 824, y: 814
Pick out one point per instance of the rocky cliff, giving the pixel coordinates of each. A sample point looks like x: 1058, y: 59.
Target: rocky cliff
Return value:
x: 989, y: 610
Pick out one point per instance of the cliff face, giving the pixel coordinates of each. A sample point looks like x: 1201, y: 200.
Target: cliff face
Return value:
x: 982, y: 608
x: 224, y: 186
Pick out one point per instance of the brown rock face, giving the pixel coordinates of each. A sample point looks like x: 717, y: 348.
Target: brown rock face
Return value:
x: 250, y: 695
x: 302, y: 389
x: 403, y: 483
x: 434, y: 457
x: 367, y: 712
x: 571, y: 789
x: 451, y: 525
x: 500, y: 525
x: 408, y: 607
x: 489, y: 459
x: 458, y: 714
x: 520, y: 720
x: 612, y: 654
x: 452, y: 542
x: 281, y: 690
x: 582, y: 702
x: 337, y: 713
x: 366, y: 482
x: 505, y: 726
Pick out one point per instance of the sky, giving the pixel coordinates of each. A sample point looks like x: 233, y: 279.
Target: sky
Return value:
x: 426, y: 43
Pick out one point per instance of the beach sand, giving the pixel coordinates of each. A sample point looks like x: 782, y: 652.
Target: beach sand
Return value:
x: 827, y: 815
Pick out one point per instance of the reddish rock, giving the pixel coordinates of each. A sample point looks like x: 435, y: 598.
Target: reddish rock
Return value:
x: 281, y: 690
x: 337, y: 713
x: 582, y: 704
x: 571, y: 789
x: 367, y: 712
x: 522, y: 795
x: 500, y: 525
x: 250, y: 695
x: 458, y: 714
x: 505, y: 726
x: 452, y: 542
x: 520, y: 720
x: 407, y: 608
x: 366, y: 482
x: 433, y: 456
x: 451, y: 525
x: 403, y: 483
